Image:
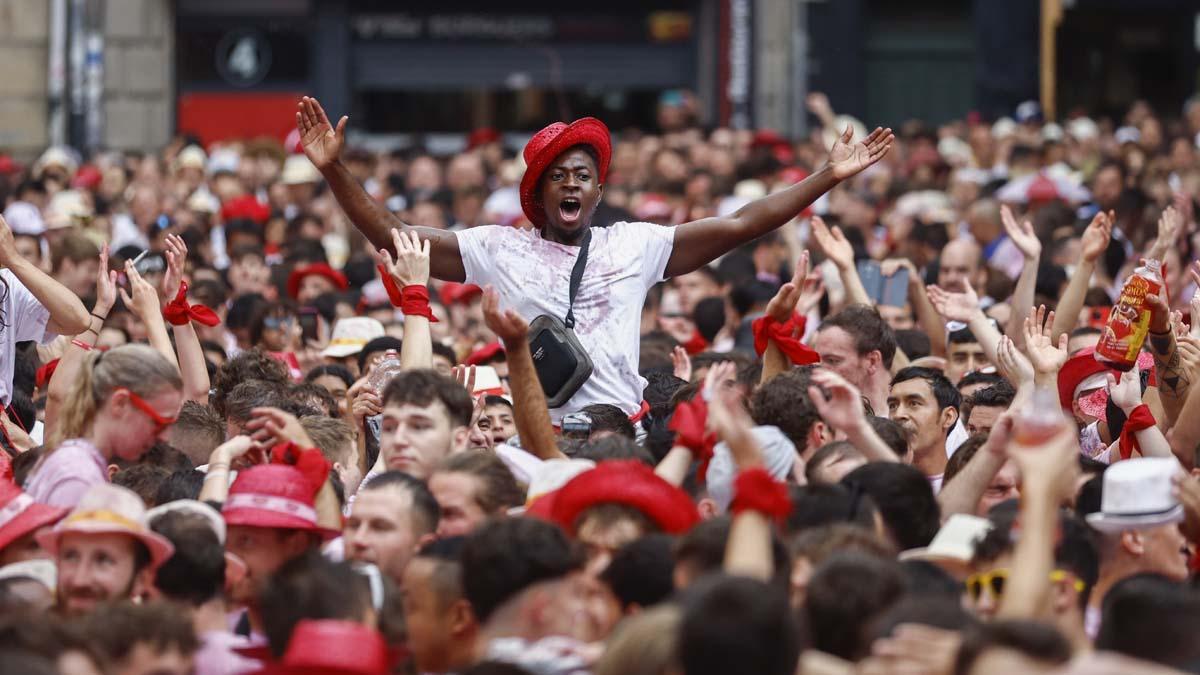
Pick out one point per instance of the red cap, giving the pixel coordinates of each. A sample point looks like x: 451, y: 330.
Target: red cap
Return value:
x: 627, y: 482
x: 453, y: 292
x: 335, y: 647
x: 482, y: 136
x: 8, y: 165
x: 1042, y: 189
x: 273, y: 495
x: 551, y: 142
x: 87, y: 178
x: 484, y: 354
x: 247, y: 207
x: 20, y: 515
x: 322, y: 269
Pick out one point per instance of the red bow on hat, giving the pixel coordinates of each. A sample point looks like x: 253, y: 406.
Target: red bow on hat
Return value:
x: 179, y: 313
x: 309, y: 461
x: 786, y: 336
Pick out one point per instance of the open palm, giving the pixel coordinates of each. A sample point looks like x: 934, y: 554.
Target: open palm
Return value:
x: 847, y: 160
x: 322, y: 143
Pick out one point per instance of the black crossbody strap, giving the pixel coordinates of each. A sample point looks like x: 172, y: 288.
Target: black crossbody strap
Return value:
x: 576, y: 278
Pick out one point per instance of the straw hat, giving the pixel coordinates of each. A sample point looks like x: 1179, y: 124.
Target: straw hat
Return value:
x: 109, y: 509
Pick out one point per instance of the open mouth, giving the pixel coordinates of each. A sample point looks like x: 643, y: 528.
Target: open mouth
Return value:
x: 569, y: 209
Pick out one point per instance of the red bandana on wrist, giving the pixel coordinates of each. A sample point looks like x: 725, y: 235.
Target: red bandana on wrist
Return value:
x: 179, y: 313
x: 690, y: 426
x: 1139, y: 419
x: 412, y: 300
x: 786, y: 336
x: 755, y: 490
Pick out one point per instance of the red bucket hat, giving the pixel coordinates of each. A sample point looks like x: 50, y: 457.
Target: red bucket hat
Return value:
x: 276, y: 496
x: 20, y: 515
x: 322, y: 269
x: 552, y: 142
x: 335, y: 647
x: 627, y: 482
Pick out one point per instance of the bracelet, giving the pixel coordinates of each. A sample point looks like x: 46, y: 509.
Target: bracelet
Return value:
x: 91, y: 330
x: 82, y: 345
x: 102, y: 318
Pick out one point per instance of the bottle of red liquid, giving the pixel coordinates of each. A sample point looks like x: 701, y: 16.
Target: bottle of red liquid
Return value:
x: 1129, y: 321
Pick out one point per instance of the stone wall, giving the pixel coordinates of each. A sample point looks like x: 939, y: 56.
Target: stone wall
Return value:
x: 24, y: 28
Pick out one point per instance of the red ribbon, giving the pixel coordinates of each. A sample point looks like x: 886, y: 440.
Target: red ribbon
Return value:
x: 696, y: 343
x: 755, y: 490
x: 309, y: 461
x: 690, y: 423
x: 786, y: 336
x: 1140, y: 419
x: 179, y: 313
x: 414, y: 301
x: 45, y: 373
x: 389, y: 285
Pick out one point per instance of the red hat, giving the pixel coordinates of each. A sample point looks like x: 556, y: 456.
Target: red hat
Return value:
x: 42, y: 378
x: 247, y: 207
x: 273, y: 495
x: 87, y: 178
x: 453, y: 292
x: 627, y: 482
x: 8, y: 165
x: 552, y: 142
x: 1083, y: 365
x: 323, y: 269
x: 334, y: 647
x: 482, y: 136
x: 484, y: 354
x: 20, y: 515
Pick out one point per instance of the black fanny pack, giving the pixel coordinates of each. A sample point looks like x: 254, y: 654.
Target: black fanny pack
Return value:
x: 562, y: 364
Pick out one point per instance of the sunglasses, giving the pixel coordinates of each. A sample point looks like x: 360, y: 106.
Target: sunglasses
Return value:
x: 995, y: 580
x: 140, y: 403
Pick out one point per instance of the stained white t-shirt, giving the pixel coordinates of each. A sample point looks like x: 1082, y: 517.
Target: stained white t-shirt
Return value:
x: 533, y: 275
x: 24, y: 318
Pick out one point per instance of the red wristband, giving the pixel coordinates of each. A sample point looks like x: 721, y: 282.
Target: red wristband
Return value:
x: 414, y: 301
x: 755, y: 490
x: 786, y: 336
x: 82, y: 345
x: 179, y: 313
x: 1139, y: 419
x: 689, y: 422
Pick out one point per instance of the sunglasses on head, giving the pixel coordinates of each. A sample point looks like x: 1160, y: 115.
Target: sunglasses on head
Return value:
x: 996, y: 579
x: 140, y: 403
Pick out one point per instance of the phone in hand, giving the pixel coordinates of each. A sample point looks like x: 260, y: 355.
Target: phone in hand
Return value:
x: 895, y: 289
x: 309, y: 323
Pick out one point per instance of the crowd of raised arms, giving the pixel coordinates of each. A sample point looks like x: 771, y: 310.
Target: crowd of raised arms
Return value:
x: 682, y: 401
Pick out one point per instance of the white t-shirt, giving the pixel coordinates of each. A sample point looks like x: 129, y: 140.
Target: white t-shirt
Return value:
x: 533, y: 275
x: 24, y: 318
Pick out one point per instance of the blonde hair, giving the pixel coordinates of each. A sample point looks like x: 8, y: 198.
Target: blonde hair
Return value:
x: 644, y: 644
x: 334, y: 438
x: 138, y: 368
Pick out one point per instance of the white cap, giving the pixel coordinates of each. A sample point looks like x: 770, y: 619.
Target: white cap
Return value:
x: 1127, y: 135
x: 65, y: 207
x: 297, y: 170
x: 1083, y: 129
x: 1003, y: 128
x: 225, y: 159
x: 350, y: 335
x: 1052, y: 132
x: 954, y: 545
x: 191, y: 157
x: 24, y: 218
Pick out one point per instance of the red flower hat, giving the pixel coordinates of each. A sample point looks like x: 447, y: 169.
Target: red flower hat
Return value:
x: 276, y: 496
x: 551, y: 142
x: 323, y: 269
x: 627, y: 482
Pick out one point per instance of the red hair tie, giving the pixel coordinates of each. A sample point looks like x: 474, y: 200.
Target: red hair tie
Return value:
x: 690, y: 423
x: 1139, y: 419
x: 786, y: 336
x: 755, y: 490
x: 179, y: 313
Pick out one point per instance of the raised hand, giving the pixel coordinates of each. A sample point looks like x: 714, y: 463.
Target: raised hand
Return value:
x: 1021, y: 234
x: 142, y: 299
x: 731, y: 423
x: 833, y: 243
x: 681, y: 364
x: 783, y: 305
x: 176, y: 258
x: 411, y: 265
x: 1046, y: 357
x: 846, y: 160
x: 8, y: 245
x: 1170, y: 224
x: 269, y: 426
x: 1097, y: 235
x: 840, y: 404
x: 1125, y: 392
x: 954, y: 306
x: 465, y: 375
x: 322, y: 143
x: 1012, y: 364
x: 106, y: 286
x: 507, y: 325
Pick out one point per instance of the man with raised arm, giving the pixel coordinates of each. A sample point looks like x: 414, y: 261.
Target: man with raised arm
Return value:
x: 562, y: 186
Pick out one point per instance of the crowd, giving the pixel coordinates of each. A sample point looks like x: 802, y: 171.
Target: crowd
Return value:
x: 690, y: 402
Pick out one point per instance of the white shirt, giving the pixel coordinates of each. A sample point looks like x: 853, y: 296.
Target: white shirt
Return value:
x: 23, y: 318
x: 532, y: 276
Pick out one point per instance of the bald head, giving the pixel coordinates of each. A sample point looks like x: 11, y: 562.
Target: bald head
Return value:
x: 983, y: 218
x: 959, y: 264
